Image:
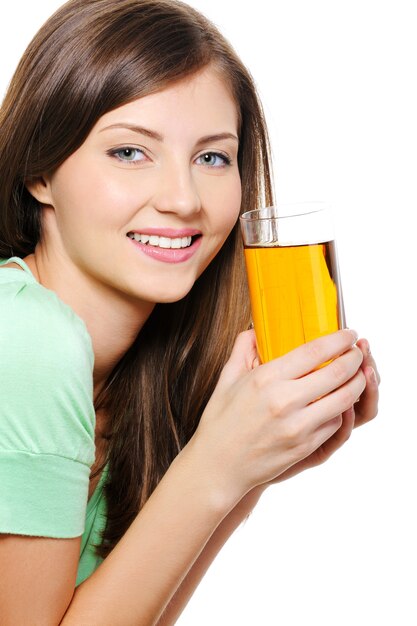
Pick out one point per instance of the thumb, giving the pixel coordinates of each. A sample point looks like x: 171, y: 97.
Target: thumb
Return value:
x: 243, y: 358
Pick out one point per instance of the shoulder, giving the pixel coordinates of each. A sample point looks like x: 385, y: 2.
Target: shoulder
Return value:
x: 33, y: 320
x: 46, y: 375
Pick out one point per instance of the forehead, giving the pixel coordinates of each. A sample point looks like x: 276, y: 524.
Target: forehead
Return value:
x: 202, y: 100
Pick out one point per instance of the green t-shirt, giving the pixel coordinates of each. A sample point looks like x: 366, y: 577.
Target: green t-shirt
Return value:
x: 47, y: 418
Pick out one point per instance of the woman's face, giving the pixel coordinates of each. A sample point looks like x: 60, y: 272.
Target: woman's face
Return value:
x: 144, y: 205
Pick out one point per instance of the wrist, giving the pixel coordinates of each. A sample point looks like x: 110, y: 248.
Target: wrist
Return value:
x: 250, y: 500
x: 209, y: 477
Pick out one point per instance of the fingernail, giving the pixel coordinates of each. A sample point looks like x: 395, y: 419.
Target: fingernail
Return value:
x: 367, y: 347
x: 372, y: 376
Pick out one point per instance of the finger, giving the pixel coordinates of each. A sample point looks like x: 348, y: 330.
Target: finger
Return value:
x: 336, y: 402
x: 328, y: 378
x: 367, y: 407
x: 242, y: 359
x: 324, y: 450
x: 338, y: 439
x: 368, y: 359
x: 311, y: 355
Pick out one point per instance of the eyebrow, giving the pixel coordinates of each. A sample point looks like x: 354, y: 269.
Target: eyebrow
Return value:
x: 154, y: 135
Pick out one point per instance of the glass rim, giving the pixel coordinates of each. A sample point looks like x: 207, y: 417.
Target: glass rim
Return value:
x: 249, y: 215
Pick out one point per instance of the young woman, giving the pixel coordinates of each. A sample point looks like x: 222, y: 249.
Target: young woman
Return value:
x: 137, y: 428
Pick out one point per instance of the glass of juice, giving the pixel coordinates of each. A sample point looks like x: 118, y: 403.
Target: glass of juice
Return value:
x: 293, y: 275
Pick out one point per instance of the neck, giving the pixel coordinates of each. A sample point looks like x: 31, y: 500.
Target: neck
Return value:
x: 112, y: 320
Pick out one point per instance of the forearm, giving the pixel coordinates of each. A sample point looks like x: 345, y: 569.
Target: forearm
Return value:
x: 213, y: 547
x: 142, y: 573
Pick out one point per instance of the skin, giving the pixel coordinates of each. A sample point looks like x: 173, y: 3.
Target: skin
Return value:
x: 262, y: 425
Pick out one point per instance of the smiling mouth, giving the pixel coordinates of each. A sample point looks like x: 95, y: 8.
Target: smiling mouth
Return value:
x: 157, y: 241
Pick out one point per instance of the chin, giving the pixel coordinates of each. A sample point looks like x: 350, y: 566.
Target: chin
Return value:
x: 166, y: 294
x: 168, y: 298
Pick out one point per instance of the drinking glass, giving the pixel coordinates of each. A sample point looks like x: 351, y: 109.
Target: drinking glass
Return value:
x: 293, y: 275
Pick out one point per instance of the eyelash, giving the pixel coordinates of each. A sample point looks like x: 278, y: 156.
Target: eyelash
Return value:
x: 114, y: 153
x: 226, y: 160
x: 117, y: 151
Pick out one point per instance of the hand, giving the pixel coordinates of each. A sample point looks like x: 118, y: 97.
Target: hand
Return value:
x: 263, y: 420
x: 364, y: 410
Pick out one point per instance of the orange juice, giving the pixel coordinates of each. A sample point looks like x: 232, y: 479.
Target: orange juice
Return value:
x: 295, y: 295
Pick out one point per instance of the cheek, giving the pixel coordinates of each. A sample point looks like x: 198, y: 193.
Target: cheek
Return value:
x: 87, y: 195
x: 225, y: 202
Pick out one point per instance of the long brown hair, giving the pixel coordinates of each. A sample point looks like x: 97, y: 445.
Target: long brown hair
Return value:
x: 89, y: 58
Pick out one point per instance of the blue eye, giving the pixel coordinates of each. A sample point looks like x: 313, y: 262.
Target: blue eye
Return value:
x: 128, y: 154
x: 214, y: 159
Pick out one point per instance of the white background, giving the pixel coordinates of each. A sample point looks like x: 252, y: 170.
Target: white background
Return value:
x: 336, y: 545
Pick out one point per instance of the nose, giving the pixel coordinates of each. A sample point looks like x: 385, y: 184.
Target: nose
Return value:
x: 177, y: 191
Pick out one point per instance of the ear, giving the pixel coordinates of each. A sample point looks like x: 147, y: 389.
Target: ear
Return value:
x: 40, y: 189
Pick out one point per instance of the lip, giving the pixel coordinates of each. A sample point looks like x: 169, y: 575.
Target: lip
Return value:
x: 167, y: 255
x: 172, y: 233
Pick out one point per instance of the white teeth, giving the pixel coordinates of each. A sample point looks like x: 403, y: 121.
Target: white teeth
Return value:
x: 162, y: 242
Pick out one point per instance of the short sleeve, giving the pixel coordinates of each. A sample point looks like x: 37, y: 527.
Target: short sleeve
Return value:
x: 47, y: 417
